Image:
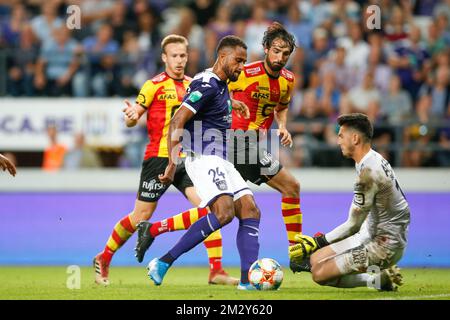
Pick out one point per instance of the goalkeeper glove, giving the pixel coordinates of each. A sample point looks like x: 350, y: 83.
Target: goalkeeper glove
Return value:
x: 306, y: 246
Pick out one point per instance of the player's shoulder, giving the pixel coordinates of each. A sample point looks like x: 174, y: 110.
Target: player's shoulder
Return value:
x: 254, y: 69
x: 205, y: 79
x: 288, y: 75
x: 160, y: 78
x: 187, y: 78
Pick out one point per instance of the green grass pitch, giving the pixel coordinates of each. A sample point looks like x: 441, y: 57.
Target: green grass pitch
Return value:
x: 190, y: 283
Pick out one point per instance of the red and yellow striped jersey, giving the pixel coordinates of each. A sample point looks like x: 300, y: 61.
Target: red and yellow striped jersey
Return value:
x: 261, y: 93
x: 161, y: 96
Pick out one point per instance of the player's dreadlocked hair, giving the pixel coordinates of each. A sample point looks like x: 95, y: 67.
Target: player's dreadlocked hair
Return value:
x: 359, y: 122
x: 276, y: 30
x: 230, y: 41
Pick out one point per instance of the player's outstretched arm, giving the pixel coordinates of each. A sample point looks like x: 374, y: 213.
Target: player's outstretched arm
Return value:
x: 6, y: 164
x: 132, y: 113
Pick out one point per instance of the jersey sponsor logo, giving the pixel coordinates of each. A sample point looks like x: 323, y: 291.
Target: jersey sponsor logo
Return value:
x: 159, y: 78
x: 167, y: 96
x: 262, y: 88
x: 253, y: 71
x: 260, y: 95
x: 358, y: 198
x: 195, y: 96
x: 287, y: 74
x: 152, y: 185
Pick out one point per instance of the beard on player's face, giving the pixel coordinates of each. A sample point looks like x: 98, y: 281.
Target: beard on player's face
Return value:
x: 275, y: 65
x: 232, y: 75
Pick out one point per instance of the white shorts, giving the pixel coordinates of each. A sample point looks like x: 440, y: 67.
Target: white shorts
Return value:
x: 357, y: 253
x: 213, y: 176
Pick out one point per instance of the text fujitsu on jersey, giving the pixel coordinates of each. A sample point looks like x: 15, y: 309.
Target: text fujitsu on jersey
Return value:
x: 161, y: 96
x: 261, y: 93
x: 377, y: 192
x: 208, y: 98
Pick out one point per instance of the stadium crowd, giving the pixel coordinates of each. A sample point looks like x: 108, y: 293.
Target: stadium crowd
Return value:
x: 397, y: 72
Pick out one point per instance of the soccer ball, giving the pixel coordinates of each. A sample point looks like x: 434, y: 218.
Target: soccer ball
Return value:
x: 265, y: 274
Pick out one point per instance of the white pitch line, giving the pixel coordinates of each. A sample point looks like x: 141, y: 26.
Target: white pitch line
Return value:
x: 431, y: 296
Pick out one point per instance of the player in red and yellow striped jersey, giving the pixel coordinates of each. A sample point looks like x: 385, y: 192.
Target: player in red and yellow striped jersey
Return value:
x: 266, y: 88
x: 160, y: 97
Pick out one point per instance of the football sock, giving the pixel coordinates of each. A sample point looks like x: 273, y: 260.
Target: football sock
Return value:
x: 292, y: 216
x: 247, y: 241
x: 197, y: 232
x: 353, y: 280
x: 122, y: 231
x: 183, y: 221
x: 213, y: 246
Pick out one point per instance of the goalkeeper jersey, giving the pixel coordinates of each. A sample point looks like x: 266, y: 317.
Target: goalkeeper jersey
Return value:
x: 261, y: 93
x: 378, y: 192
x: 161, y: 96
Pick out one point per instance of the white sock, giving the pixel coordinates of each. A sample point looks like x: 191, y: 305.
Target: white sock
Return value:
x: 354, y: 281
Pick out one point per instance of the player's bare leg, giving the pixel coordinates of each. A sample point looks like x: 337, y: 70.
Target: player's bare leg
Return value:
x: 289, y: 187
x: 122, y: 231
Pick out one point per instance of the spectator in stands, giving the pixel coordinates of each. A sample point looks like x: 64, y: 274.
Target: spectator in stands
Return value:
x: 254, y: 32
x: 409, y: 60
x: 54, y: 154
x: 443, y: 156
x: 57, y: 64
x: 314, y: 11
x: 317, y: 55
x: 328, y: 96
x: 44, y: 24
x: 101, y: 52
x: 435, y: 40
x: 299, y: 27
x: 357, y: 49
x: 11, y: 28
x: 218, y: 28
x: 204, y: 10
x: 21, y: 64
x: 396, y: 105
x: 335, y: 64
x: 381, y: 71
x: 396, y: 27
x: 188, y: 28
x: 434, y: 99
x: 81, y: 156
x: 343, y: 13
x: 364, y: 98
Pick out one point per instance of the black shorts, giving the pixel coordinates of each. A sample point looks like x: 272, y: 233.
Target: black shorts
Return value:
x: 252, y: 160
x: 150, y: 188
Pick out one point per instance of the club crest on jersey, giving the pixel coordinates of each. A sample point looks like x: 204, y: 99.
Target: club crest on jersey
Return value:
x: 195, y: 96
x: 221, y: 185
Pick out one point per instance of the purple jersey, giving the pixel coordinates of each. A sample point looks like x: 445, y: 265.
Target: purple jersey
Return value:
x: 208, y: 98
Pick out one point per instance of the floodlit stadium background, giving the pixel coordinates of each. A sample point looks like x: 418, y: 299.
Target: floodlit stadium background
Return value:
x: 398, y: 74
